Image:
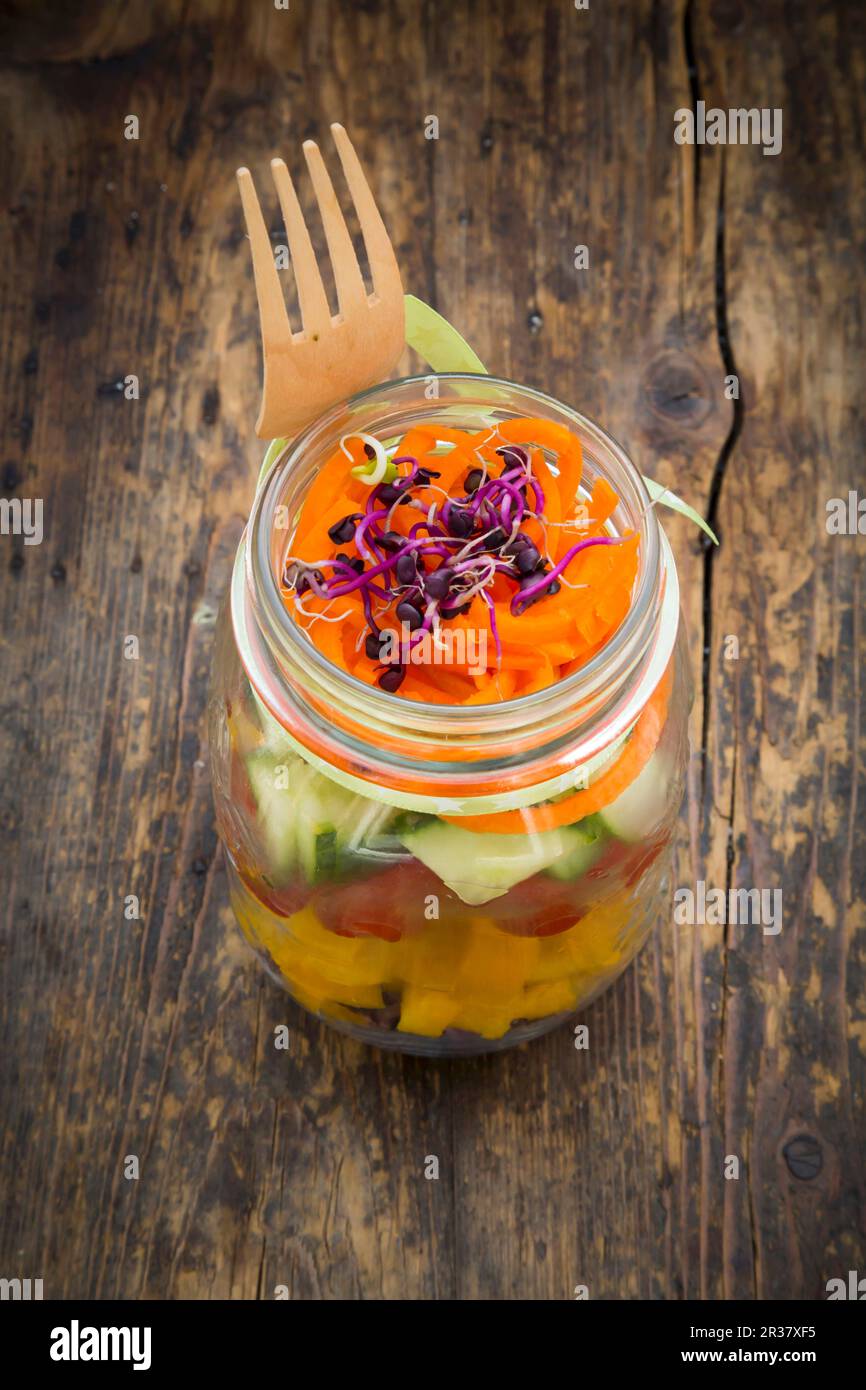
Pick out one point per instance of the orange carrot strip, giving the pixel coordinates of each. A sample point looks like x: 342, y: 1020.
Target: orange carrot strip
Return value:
x: 545, y: 533
x: 423, y: 683
x: 502, y: 687
x: 600, y: 506
x: 443, y: 432
x: 544, y: 675
x: 314, y: 543
x: 333, y: 483
x: 603, y: 502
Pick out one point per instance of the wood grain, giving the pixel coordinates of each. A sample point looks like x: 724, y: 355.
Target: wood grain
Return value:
x: 155, y: 1037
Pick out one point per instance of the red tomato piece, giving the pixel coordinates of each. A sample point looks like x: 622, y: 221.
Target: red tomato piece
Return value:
x: 539, y: 906
x: 286, y: 900
x: 625, y: 862
x: 389, y: 904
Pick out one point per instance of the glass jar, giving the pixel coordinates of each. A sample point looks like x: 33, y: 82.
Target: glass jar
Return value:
x: 322, y: 783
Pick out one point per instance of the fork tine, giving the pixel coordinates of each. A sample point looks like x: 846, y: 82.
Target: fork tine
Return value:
x: 347, y: 273
x: 276, y: 328
x: 380, y: 253
x: 315, y: 312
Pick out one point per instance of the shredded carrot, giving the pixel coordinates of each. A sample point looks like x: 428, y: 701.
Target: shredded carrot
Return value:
x: 520, y: 644
x: 587, y: 517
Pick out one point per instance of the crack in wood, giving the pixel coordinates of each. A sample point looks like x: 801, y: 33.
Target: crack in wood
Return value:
x: 719, y: 471
x: 692, y: 75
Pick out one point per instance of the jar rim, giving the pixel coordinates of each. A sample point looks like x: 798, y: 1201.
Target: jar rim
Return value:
x: 437, y: 748
x: 261, y: 573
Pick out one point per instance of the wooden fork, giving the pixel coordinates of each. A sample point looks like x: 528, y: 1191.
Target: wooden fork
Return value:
x: 333, y: 356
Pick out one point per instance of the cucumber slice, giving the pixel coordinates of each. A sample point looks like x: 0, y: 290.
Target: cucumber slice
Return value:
x: 276, y: 737
x: 479, y: 867
x: 275, y: 819
x: 316, y: 817
x: 640, y: 808
x: 583, y: 843
x: 307, y: 822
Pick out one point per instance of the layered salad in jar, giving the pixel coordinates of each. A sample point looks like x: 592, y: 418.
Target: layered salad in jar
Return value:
x: 452, y: 568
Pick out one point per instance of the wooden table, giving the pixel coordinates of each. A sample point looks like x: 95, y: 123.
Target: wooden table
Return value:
x: 154, y: 1037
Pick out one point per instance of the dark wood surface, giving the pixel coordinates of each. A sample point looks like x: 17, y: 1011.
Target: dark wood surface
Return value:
x: 154, y: 1038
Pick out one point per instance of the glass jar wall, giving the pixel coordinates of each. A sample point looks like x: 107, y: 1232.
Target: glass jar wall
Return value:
x: 433, y: 879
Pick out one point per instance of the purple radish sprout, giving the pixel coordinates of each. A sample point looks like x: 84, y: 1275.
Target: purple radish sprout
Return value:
x: 542, y: 584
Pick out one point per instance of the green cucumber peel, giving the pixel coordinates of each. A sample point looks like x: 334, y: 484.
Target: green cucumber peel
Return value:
x: 272, y: 453
x: 658, y: 493
x: 437, y: 341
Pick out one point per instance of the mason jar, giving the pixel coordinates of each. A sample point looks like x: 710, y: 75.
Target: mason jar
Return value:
x: 324, y: 785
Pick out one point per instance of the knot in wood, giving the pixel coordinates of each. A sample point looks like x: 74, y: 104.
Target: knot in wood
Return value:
x: 677, y: 390
x: 803, y: 1156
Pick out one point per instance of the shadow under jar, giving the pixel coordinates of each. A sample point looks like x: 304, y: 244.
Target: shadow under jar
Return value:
x: 324, y: 785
